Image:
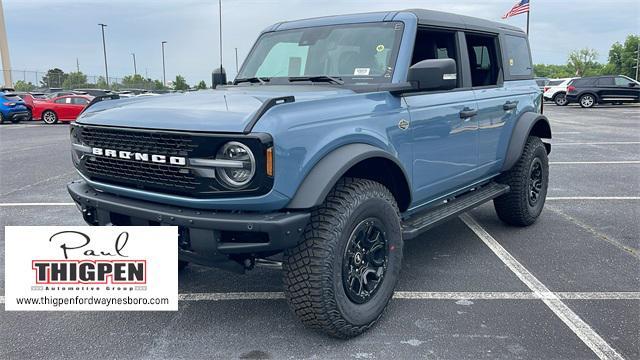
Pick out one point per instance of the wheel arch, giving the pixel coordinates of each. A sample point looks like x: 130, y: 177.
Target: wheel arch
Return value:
x: 353, y: 160
x: 528, y: 124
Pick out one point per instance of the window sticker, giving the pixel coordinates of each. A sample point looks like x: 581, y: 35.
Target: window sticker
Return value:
x: 380, y: 48
x: 361, y: 71
x: 511, y: 62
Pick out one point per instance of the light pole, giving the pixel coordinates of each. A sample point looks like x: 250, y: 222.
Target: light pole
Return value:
x: 220, y: 13
x: 164, y: 75
x: 237, y: 62
x: 104, y: 49
x: 135, y: 70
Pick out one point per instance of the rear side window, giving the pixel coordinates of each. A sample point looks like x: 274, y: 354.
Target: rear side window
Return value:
x: 584, y: 82
x: 519, y: 58
x: 607, y: 81
x: 555, y: 82
x: 61, y: 101
x: 483, y: 60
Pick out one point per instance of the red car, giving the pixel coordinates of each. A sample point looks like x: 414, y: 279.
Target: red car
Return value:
x: 61, y: 108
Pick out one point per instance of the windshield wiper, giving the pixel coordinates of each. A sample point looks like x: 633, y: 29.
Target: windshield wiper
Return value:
x: 256, y: 79
x: 318, y: 78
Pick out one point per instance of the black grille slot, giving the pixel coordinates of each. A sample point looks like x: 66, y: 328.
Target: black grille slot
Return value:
x: 161, y: 177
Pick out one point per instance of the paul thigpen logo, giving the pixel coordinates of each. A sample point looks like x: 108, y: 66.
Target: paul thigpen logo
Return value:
x: 116, y: 269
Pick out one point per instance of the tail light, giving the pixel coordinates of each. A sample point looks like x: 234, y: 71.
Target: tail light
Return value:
x: 571, y: 88
x: 9, y: 104
x: 546, y: 88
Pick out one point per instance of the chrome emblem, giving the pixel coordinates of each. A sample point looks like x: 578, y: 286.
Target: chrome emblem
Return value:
x: 403, y: 124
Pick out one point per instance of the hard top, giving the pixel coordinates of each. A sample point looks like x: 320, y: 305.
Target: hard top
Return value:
x: 424, y: 18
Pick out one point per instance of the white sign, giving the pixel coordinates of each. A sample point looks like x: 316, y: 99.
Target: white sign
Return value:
x: 91, y: 268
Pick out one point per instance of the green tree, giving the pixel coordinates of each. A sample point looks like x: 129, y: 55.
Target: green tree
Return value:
x: 21, y: 85
x: 75, y: 80
x: 180, y: 83
x: 623, y: 58
x: 201, y: 85
x: 53, y: 78
x: 135, y: 81
x: 158, y: 85
x: 101, y: 83
x: 583, y: 62
x: 552, y: 71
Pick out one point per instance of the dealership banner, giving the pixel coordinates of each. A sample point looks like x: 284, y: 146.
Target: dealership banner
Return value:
x: 91, y: 268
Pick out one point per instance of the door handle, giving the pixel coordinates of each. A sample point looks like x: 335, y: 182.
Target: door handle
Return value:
x: 468, y: 112
x: 510, y: 105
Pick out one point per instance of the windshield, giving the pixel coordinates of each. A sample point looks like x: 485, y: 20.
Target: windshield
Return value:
x: 355, y: 53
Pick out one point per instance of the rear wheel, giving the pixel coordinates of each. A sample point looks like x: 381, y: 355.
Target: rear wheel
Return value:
x: 587, y: 101
x: 341, y: 276
x: 49, y: 117
x: 528, y: 179
x: 560, y: 99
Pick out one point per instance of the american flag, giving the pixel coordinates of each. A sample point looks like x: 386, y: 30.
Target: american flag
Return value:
x: 520, y: 7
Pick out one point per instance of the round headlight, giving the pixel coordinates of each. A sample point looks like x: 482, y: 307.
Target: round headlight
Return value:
x: 241, y: 164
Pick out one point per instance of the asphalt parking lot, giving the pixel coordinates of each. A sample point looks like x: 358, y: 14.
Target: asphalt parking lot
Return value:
x: 567, y: 287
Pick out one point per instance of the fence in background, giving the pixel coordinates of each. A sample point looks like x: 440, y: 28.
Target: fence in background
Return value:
x: 31, y: 80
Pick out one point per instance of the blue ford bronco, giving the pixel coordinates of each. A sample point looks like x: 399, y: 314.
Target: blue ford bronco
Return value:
x: 340, y: 138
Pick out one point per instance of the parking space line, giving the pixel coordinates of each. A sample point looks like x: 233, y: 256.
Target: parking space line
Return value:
x: 555, y: 198
x: 594, y: 162
x: 36, y: 204
x: 423, y: 295
x: 592, y: 339
x: 597, y: 143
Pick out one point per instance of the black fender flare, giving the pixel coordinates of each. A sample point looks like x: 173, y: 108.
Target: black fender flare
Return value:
x: 326, y: 172
x: 529, y: 123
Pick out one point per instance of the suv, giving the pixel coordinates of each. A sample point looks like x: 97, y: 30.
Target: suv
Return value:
x: 340, y: 138
x: 594, y: 90
x: 556, y: 91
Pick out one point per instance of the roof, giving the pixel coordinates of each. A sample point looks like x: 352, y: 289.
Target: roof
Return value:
x: 424, y: 17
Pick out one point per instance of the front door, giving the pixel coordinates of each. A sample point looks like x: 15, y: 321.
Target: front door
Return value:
x: 445, y: 141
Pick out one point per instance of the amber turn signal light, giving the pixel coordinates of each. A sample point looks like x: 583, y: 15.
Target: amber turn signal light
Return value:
x: 269, y: 158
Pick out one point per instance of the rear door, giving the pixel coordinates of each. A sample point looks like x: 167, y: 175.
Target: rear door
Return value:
x: 78, y: 104
x: 499, y: 102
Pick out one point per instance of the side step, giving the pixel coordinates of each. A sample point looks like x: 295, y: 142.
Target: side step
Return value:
x: 423, y: 221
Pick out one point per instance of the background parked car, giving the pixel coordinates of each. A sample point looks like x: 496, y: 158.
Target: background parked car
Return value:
x: 62, y: 108
x: 12, y: 108
x: 94, y: 92
x: 556, y: 91
x: 542, y: 82
x: 29, y: 99
x: 594, y: 90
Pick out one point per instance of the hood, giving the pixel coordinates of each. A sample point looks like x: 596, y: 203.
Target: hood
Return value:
x: 222, y: 110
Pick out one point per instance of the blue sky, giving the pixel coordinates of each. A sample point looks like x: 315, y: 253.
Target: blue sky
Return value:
x: 53, y: 33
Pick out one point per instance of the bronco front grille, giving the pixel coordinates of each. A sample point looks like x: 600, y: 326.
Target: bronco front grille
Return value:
x: 166, y: 178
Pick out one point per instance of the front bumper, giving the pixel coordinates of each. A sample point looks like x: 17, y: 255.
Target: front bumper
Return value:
x: 206, y: 236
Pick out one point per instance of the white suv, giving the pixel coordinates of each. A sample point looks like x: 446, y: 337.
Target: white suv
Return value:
x: 556, y: 91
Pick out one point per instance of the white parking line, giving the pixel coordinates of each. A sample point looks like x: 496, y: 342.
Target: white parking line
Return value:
x: 593, y: 198
x: 594, y: 162
x: 36, y: 204
x: 420, y: 295
x: 597, y: 143
x: 594, y: 341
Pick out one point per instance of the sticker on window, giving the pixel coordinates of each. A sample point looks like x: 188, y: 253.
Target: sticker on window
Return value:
x: 361, y: 71
x: 380, y: 48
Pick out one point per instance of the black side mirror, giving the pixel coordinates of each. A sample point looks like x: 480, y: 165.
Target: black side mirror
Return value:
x: 632, y: 84
x: 433, y: 74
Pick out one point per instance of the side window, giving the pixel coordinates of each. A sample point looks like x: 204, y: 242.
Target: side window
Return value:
x: 61, y: 101
x: 605, y: 81
x: 620, y: 81
x: 432, y: 44
x: 518, y: 56
x: 79, y: 101
x: 483, y: 59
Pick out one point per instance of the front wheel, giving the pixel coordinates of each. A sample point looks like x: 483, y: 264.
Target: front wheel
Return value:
x: 341, y: 276
x: 560, y: 99
x: 528, y: 180
x: 49, y: 117
x: 587, y: 101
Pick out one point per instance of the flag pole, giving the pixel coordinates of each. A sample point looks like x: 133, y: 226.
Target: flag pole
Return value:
x: 528, y: 12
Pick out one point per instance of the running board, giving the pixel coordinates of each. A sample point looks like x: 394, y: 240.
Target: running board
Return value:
x: 423, y: 221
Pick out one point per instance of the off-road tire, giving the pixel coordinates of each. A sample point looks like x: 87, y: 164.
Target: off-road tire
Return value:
x: 560, y: 99
x: 313, y: 276
x: 514, y: 207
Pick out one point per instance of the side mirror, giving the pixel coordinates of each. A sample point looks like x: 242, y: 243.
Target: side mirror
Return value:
x: 433, y: 74
x: 632, y: 84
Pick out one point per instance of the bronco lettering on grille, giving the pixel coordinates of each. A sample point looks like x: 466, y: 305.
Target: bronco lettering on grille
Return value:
x: 130, y: 155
